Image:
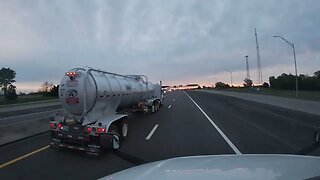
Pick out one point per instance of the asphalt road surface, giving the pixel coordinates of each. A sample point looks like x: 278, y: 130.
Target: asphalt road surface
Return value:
x: 189, y: 123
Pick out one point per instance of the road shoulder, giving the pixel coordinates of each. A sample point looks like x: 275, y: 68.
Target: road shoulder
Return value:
x: 311, y: 107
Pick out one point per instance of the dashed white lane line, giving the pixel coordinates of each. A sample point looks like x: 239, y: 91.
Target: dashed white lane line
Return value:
x: 152, y: 131
x: 169, y: 107
x: 234, y: 148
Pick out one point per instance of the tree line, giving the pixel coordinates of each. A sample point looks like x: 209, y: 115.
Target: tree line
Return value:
x: 288, y: 82
x: 7, y: 76
x: 49, y: 89
x: 284, y: 82
x: 8, y: 90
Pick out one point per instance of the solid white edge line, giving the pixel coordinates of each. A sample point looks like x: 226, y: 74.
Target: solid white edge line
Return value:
x: 28, y: 114
x: 234, y: 148
x: 169, y: 106
x: 152, y: 131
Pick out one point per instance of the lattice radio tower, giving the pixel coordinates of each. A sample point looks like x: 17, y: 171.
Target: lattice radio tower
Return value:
x: 259, y: 81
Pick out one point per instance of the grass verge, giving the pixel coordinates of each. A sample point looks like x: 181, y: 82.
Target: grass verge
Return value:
x: 26, y: 99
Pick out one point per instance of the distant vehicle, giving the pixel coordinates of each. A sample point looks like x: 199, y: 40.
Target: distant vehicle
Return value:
x: 263, y: 166
x: 92, y: 101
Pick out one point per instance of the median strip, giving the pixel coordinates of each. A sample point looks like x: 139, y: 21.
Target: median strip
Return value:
x: 31, y: 114
x: 24, y: 121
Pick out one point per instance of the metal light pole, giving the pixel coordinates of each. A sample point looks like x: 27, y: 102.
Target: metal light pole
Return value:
x: 247, y: 66
x: 295, y: 61
x: 230, y: 75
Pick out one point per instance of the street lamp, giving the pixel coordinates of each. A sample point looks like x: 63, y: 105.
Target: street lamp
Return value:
x: 294, y: 58
x: 230, y: 74
x: 247, y: 66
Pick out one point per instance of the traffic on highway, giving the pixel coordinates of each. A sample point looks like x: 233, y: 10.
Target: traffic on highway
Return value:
x: 189, y: 123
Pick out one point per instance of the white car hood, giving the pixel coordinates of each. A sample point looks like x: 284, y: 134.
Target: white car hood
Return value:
x: 226, y: 167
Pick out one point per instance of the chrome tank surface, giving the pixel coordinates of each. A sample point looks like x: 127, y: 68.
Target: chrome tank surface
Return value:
x: 98, y: 94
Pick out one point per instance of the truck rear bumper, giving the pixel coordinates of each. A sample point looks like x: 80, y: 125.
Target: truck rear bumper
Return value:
x: 56, y: 143
x: 75, y: 141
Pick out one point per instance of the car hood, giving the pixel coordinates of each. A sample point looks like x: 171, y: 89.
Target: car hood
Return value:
x: 226, y: 167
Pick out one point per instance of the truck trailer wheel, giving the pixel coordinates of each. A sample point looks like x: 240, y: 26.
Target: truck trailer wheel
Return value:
x: 114, y: 129
x: 124, y: 127
x: 155, y: 107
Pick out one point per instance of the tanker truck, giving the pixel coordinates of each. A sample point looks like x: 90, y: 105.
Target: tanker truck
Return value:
x: 95, y: 106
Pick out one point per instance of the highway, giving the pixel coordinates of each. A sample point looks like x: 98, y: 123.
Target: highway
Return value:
x: 189, y: 123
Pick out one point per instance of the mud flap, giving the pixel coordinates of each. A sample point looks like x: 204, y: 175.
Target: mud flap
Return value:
x: 106, y: 141
x: 110, y: 140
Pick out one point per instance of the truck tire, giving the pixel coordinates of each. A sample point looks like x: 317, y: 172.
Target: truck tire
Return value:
x: 124, y: 127
x: 114, y: 129
x: 157, y: 106
x: 153, y: 108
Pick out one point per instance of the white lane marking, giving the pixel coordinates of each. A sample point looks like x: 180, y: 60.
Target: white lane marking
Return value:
x: 152, y: 131
x: 27, y: 114
x: 234, y: 148
x: 169, y: 107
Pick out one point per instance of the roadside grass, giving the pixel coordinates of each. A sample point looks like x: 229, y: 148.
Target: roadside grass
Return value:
x: 25, y: 99
x: 305, y: 95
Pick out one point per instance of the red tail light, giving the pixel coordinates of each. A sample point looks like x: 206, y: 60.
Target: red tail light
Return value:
x: 88, y: 129
x: 52, y: 125
x: 101, y: 130
x: 59, y: 125
x: 71, y: 73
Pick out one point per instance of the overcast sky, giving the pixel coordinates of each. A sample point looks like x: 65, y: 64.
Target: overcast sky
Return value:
x: 178, y: 42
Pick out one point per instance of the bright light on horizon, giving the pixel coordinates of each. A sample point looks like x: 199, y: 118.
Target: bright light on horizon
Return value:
x: 205, y: 80
x: 28, y: 87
